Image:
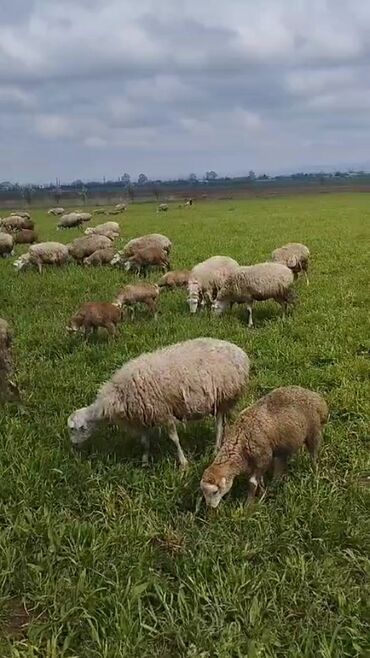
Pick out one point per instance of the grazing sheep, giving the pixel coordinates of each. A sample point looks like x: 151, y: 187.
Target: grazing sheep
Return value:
x: 6, y: 245
x: 99, y: 211
x: 295, y: 256
x: 185, y: 381
x: 256, y: 283
x: 120, y: 207
x: 206, y: 279
x: 70, y: 220
x: 100, y: 257
x: 8, y: 389
x: 85, y: 216
x: 163, y: 207
x: 175, y: 279
x: 94, y: 315
x: 137, y: 244
x: 140, y: 293
x: 111, y: 230
x: 113, y: 212
x: 56, y: 211
x: 21, y: 213
x: 43, y: 253
x: 25, y: 236
x: 144, y: 259
x: 264, y: 436
x: 16, y: 223
x: 81, y: 248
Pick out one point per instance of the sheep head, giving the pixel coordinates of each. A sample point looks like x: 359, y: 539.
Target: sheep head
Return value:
x: 215, y: 484
x: 81, y: 425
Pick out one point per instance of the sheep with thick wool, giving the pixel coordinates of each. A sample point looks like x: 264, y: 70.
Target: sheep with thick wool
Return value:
x: 25, y: 236
x: 256, y: 283
x: 135, y: 245
x: 83, y: 247
x: 206, y: 279
x: 295, y: 256
x: 111, y: 230
x: 16, y: 223
x: 56, y: 211
x: 181, y: 382
x: 6, y: 245
x: 43, y: 253
x: 264, y: 436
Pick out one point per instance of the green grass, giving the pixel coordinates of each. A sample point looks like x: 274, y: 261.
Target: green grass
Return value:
x: 111, y: 560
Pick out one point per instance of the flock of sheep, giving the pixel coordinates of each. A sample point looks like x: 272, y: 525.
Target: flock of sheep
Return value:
x: 188, y: 380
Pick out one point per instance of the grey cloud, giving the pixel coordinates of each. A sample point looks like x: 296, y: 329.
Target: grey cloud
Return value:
x: 167, y: 89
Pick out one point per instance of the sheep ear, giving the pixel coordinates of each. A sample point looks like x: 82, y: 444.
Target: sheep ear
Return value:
x: 209, y: 488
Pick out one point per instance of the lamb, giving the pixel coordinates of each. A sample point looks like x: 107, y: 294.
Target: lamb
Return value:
x: 15, y: 223
x: 256, y: 283
x: 264, y: 436
x: 181, y: 382
x: 206, y: 279
x: 25, y: 236
x: 93, y: 315
x: 175, y: 279
x: 43, y: 253
x: 163, y: 207
x: 8, y: 389
x: 295, y: 256
x: 111, y: 230
x: 70, y: 220
x: 148, y: 258
x: 56, y: 211
x: 140, y: 293
x: 81, y: 248
x: 6, y: 245
x: 100, y: 257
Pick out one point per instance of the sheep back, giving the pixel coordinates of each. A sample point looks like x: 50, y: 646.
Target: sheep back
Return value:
x: 257, y: 282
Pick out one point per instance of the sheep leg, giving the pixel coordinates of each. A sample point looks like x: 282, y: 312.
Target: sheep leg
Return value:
x: 39, y: 265
x: 111, y: 329
x: 220, y: 423
x: 313, y: 446
x: 250, y: 315
x: 152, y: 307
x: 145, y: 442
x: 252, y: 488
x: 172, y: 433
x: 306, y: 277
x: 279, y: 466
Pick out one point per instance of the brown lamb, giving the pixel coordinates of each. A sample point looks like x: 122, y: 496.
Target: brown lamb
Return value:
x: 175, y: 279
x: 265, y: 435
x: 93, y: 315
x: 141, y: 293
x: 148, y: 257
x: 25, y: 236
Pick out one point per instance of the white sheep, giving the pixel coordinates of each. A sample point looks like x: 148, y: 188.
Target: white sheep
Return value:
x: 256, y: 283
x: 206, y: 279
x: 43, y: 253
x: 120, y: 206
x: 111, y: 230
x: 181, y: 382
x: 295, y: 256
x: 56, y: 211
x: 265, y: 435
x: 6, y: 245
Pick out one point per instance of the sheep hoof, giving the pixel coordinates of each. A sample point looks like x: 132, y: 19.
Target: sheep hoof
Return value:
x: 183, y: 467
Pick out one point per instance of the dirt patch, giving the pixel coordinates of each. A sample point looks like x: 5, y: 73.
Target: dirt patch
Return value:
x: 17, y: 619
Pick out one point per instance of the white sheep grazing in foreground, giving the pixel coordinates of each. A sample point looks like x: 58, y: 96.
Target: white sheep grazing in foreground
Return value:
x: 181, y: 382
x: 264, y: 436
x: 256, y: 283
x: 43, y: 253
x: 295, y: 256
x: 56, y: 211
x: 206, y: 279
x: 6, y: 245
x: 111, y: 230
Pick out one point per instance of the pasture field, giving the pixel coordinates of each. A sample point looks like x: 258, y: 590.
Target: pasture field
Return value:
x: 102, y: 559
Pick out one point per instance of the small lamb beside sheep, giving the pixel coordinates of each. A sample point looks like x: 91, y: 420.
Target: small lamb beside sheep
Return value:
x: 100, y: 257
x: 256, y: 283
x: 295, y: 256
x: 265, y: 435
x: 145, y: 259
x: 43, y: 253
x: 181, y: 382
x: 175, y: 279
x: 207, y: 278
x: 94, y: 315
x: 140, y: 293
x: 81, y: 248
x: 6, y: 245
x: 110, y: 230
x: 8, y: 389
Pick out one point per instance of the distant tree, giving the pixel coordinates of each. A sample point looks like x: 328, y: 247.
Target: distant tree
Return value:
x: 252, y: 175
x: 192, y: 178
x: 211, y: 175
x: 57, y: 194
x: 126, y: 179
x: 131, y: 193
x: 156, y: 192
x: 142, y: 179
x: 28, y: 193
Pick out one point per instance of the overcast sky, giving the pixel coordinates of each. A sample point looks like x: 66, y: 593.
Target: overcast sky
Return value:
x: 93, y: 88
